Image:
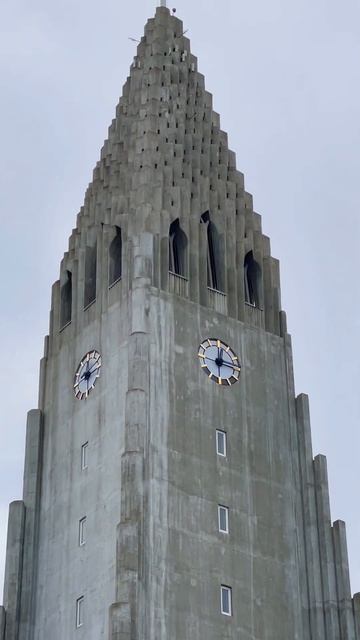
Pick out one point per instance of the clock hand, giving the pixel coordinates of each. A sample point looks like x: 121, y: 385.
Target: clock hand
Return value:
x: 231, y: 366
x: 78, y: 381
x: 94, y: 367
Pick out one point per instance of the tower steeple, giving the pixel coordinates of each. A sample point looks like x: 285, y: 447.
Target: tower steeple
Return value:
x: 170, y: 489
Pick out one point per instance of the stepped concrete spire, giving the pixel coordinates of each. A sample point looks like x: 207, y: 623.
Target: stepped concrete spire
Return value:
x: 170, y: 488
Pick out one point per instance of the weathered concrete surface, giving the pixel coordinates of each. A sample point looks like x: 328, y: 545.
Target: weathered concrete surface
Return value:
x: 356, y: 607
x: 2, y: 623
x: 13, y: 569
x: 31, y: 498
x: 346, y: 614
x: 153, y: 559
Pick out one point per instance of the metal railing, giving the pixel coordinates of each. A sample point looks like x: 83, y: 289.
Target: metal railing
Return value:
x: 253, y: 315
x: 217, y: 300
x: 178, y: 285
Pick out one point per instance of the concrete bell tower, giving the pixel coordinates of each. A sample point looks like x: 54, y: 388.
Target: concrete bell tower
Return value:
x: 170, y: 490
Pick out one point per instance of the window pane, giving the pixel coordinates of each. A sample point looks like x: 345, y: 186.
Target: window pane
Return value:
x: 82, y: 531
x: 80, y: 612
x: 84, y: 456
x: 221, y: 443
x: 226, y: 601
x: 223, y: 519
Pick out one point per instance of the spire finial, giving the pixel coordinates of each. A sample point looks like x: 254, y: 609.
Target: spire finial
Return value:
x: 163, y: 3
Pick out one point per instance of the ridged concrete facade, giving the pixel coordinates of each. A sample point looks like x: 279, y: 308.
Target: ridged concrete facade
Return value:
x: 154, y: 560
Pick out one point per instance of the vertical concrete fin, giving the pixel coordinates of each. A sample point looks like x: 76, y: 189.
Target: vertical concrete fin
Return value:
x: 326, y: 549
x: 2, y: 623
x: 124, y: 619
x: 13, y: 568
x: 272, y: 295
x: 343, y: 581
x: 316, y: 611
x: 31, y: 497
x: 356, y: 609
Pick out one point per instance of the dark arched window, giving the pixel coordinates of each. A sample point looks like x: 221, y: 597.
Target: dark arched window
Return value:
x: 177, y: 250
x: 252, y: 274
x: 90, y: 275
x: 214, y: 270
x: 66, y: 300
x: 115, y: 258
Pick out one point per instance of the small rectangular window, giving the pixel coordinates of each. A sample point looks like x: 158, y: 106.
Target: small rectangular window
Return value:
x: 80, y: 612
x: 82, y: 531
x: 226, y: 600
x: 223, y: 517
x: 84, y: 456
x: 221, y: 444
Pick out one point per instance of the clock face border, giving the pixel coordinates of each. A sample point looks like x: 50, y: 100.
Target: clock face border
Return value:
x: 232, y: 362
x: 87, y: 374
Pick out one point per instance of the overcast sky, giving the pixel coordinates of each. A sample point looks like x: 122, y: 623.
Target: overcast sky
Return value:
x: 285, y: 76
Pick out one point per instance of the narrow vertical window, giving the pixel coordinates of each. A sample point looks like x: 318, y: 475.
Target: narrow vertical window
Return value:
x: 115, y: 258
x: 84, y: 456
x: 177, y: 250
x: 215, y: 255
x: 221, y: 443
x: 90, y: 276
x: 82, y: 531
x: 212, y: 263
x: 66, y: 300
x: 252, y: 275
x: 223, y: 518
x: 226, y: 600
x: 80, y: 612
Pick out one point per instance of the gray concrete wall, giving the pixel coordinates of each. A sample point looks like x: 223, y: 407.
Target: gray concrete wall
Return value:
x: 259, y: 557
x: 65, y: 570
x: 13, y: 569
x: 356, y: 608
x: 31, y: 499
x: 153, y: 561
x: 2, y: 623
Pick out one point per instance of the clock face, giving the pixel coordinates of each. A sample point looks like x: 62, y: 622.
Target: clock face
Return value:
x: 87, y: 374
x: 219, y: 362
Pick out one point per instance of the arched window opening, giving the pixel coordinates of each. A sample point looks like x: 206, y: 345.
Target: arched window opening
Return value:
x: 252, y: 273
x: 177, y: 250
x: 66, y: 300
x: 115, y: 258
x: 90, y: 276
x: 214, y: 272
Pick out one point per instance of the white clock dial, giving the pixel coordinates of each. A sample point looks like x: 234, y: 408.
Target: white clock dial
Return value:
x: 87, y: 374
x: 219, y: 362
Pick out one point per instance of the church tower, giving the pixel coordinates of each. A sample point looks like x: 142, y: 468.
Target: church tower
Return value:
x: 170, y: 490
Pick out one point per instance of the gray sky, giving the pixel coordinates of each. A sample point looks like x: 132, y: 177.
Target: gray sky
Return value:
x: 285, y: 78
